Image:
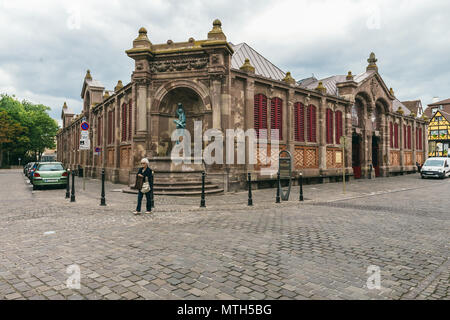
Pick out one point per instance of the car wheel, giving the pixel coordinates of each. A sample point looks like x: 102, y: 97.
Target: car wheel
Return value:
x: 35, y: 187
x: 422, y: 176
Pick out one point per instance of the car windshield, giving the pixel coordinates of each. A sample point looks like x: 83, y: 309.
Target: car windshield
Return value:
x: 51, y: 167
x: 434, y: 163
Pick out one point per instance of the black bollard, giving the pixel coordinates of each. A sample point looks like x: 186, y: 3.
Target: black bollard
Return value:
x: 68, y: 185
x: 72, y: 195
x: 370, y: 171
x: 102, y: 199
x: 152, y: 197
x: 277, y: 199
x: 202, y: 200
x: 300, y: 183
x: 250, y: 200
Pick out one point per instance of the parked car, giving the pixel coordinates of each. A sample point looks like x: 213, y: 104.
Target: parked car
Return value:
x: 438, y: 167
x: 49, y: 174
x: 25, y: 168
x: 31, y: 170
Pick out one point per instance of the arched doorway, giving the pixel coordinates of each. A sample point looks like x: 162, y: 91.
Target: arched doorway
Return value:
x: 194, y: 109
x: 356, y: 155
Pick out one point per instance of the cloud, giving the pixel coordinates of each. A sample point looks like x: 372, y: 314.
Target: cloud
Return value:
x: 46, y: 46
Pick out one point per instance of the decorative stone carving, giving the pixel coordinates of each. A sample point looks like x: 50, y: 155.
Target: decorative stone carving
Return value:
x: 374, y: 88
x: 178, y: 65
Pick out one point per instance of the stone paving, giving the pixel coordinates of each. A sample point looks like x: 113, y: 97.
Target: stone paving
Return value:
x: 318, y: 249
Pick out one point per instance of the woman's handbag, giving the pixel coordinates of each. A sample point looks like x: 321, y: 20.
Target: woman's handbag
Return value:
x: 145, y: 187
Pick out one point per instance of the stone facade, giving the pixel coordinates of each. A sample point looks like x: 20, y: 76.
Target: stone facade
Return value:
x: 136, y: 120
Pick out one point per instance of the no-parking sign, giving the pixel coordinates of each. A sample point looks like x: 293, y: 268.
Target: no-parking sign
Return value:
x: 84, y: 126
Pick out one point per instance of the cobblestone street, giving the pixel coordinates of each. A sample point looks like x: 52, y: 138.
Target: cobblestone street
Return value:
x: 317, y: 249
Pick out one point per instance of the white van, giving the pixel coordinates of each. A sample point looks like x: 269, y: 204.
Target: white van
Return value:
x: 436, y: 167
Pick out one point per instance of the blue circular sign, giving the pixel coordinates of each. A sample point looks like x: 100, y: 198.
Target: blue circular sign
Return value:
x: 84, y: 126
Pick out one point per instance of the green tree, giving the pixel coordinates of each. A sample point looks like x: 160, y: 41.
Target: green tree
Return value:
x: 38, y: 128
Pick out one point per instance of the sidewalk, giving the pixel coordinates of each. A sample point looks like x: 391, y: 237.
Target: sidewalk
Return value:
x: 263, y: 198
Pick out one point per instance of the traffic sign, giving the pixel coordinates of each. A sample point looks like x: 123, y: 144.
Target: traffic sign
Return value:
x: 84, y: 125
x: 98, y: 149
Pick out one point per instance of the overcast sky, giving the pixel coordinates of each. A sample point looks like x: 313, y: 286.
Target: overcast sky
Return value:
x: 47, y: 46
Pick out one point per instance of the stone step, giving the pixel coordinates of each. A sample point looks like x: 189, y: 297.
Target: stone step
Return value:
x: 183, y: 187
x: 177, y: 192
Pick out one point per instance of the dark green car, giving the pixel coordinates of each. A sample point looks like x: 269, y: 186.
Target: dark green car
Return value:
x: 49, y: 174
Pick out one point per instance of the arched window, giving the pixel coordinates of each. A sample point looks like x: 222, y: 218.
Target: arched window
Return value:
x: 299, y: 115
x: 339, y: 128
x: 276, y: 116
x: 329, y: 126
x: 311, y: 120
x: 391, y: 134
x: 396, y: 135
x: 409, y: 137
x: 130, y: 118
x: 260, y: 115
x: 124, y: 122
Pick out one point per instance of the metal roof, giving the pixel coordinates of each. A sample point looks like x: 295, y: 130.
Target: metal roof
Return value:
x: 330, y: 82
x: 263, y: 67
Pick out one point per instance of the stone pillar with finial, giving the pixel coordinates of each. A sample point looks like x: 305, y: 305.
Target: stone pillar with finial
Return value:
x: 372, y: 63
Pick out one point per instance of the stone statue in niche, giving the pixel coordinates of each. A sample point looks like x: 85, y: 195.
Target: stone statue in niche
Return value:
x: 181, y: 121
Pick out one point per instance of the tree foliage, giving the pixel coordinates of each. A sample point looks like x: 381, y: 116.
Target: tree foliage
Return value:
x: 26, y: 129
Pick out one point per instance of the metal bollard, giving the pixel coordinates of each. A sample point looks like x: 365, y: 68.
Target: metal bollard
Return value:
x: 250, y: 200
x: 300, y: 183
x: 72, y: 195
x: 152, y: 197
x: 68, y: 185
x: 370, y: 171
x: 277, y: 199
x: 202, y: 200
x: 102, y: 199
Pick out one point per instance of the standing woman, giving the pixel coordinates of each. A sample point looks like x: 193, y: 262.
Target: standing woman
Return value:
x: 143, y: 176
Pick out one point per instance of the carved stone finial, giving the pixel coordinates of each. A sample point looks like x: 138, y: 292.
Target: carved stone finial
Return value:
x: 413, y: 114
x: 106, y: 95
x: 142, y: 39
x: 118, y: 86
x: 247, y: 67
x: 372, y: 62
x: 424, y: 117
x: 391, y: 91
x: 88, y: 75
x: 400, y: 110
x: 216, y: 33
x: 349, y: 76
x: 65, y: 105
x: 191, y: 40
x: 288, y: 78
x: 321, y: 88
x: 169, y: 41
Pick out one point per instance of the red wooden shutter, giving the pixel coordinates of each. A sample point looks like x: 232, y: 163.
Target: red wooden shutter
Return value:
x: 311, y: 123
x: 420, y: 139
x: 329, y: 125
x: 396, y: 135
x: 260, y: 114
x: 275, y: 116
x: 338, y: 116
x: 124, y: 122
x: 409, y: 137
x: 299, y: 117
x: 130, y: 118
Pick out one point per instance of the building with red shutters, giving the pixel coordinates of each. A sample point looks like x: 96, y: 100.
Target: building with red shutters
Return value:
x: 228, y: 86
